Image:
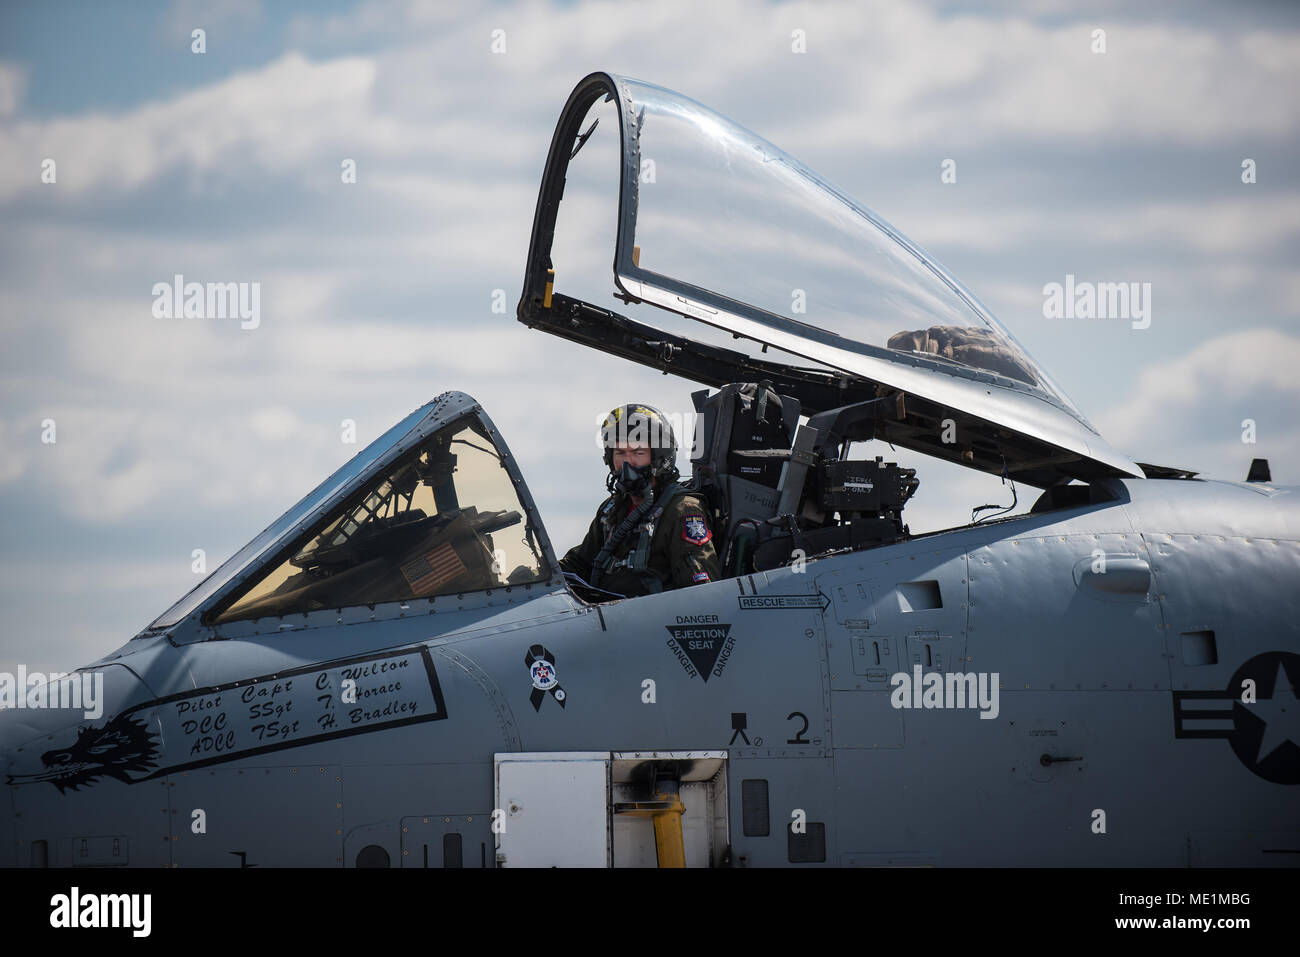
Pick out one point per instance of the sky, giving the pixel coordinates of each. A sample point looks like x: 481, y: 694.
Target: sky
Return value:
x: 172, y: 435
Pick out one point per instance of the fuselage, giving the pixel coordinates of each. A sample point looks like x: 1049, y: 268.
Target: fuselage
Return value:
x: 1079, y: 640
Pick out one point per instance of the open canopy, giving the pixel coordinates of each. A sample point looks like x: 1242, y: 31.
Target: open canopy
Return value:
x: 717, y: 225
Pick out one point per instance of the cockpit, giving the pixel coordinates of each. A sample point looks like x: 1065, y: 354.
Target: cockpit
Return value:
x: 737, y: 268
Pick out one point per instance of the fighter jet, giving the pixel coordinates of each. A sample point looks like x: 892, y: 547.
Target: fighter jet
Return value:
x: 396, y: 672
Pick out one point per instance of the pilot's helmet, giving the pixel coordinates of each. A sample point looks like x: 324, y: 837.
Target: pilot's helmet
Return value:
x: 640, y: 425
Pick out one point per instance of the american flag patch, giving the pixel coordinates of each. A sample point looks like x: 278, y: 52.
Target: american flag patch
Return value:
x: 432, y: 569
x: 700, y: 577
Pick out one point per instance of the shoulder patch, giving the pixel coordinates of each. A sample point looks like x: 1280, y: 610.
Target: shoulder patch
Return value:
x: 695, y: 530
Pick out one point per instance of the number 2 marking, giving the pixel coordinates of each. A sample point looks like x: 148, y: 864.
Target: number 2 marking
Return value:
x: 798, y: 735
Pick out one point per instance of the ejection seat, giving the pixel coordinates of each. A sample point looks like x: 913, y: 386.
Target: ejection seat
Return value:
x: 777, y: 490
x: 745, y: 432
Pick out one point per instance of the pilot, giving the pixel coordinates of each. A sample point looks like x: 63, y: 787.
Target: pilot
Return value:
x: 651, y: 534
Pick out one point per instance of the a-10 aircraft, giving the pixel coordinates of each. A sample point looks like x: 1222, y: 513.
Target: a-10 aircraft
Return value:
x: 397, y: 673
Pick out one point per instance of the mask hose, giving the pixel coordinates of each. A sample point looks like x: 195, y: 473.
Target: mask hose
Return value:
x: 602, y: 559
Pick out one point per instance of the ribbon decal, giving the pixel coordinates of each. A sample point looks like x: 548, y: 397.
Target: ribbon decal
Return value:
x: 541, y: 669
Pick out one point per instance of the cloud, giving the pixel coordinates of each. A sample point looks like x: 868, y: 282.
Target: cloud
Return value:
x: 1189, y: 412
x: 1208, y: 228
x: 12, y: 83
x: 176, y: 434
x: 101, y: 601
x: 971, y: 80
x: 187, y: 15
x: 1211, y: 228
x: 19, y: 441
x: 270, y: 118
x: 932, y: 78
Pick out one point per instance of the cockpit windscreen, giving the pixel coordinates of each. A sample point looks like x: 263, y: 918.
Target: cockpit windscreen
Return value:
x: 443, y: 519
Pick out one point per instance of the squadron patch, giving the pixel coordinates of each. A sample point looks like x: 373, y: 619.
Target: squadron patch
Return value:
x: 698, y: 577
x: 695, y: 531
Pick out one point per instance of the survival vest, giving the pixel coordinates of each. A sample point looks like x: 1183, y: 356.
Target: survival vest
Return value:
x: 643, y: 520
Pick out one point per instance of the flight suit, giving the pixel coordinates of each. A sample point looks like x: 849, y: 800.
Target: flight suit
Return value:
x: 680, y: 553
